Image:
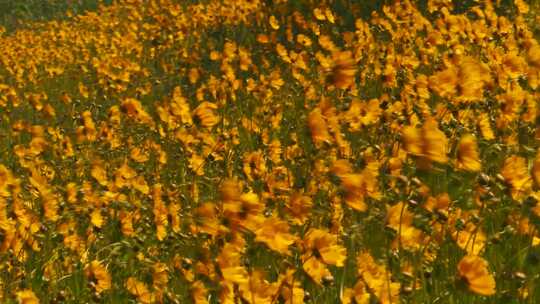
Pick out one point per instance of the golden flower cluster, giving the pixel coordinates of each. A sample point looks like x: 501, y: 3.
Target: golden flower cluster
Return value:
x: 250, y: 151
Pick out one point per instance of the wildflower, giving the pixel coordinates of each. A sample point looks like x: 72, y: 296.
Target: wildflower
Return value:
x: 474, y: 270
x: 140, y: 290
x: 207, y: 220
x: 445, y: 82
x: 134, y: 109
x: 485, y: 127
x: 321, y: 249
x: 254, y: 165
x: 363, y: 113
x: 99, y: 273
x: 468, y: 154
x: 160, y: 277
x: 242, y: 210
x: 429, y: 142
x: 358, y: 294
x: 256, y: 289
x: 299, y: 206
x: 273, y: 22
x: 439, y: 203
x: 290, y: 288
x: 318, y: 127
x: 516, y: 174
x: 205, y: 113
x: 230, y: 263
x: 536, y: 168
x: 319, y: 14
x: 377, y: 278
x: 99, y: 174
x: 513, y: 65
x: 474, y: 75
x: 27, y: 296
x: 344, y: 70
x: 400, y: 219
x: 199, y: 293
x: 96, y: 218
x: 138, y: 155
x: 275, y: 234
x: 160, y: 213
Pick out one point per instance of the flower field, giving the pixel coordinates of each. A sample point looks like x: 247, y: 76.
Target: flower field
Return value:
x: 270, y: 151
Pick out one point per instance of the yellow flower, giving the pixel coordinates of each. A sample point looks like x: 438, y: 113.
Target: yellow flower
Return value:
x: 513, y: 65
x: 140, y: 290
x: 533, y: 55
x: 439, y: 203
x: 474, y: 270
x: 205, y: 113
x: 362, y: 113
x: 160, y: 276
x: 329, y: 15
x: 291, y: 288
x: 377, y: 278
x: 318, y: 127
x: 99, y: 273
x: 139, y: 183
x: 274, y: 232
x: 473, y: 76
x: 400, y: 219
x: 99, y: 173
x: 207, y: 219
x: 254, y: 165
x: 412, y: 138
x: 429, y: 142
x: 199, y: 293
x: 344, y: 69
x: 96, y: 218
x: 126, y: 220
x: 485, y: 126
x: 160, y: 213
x: 358, y: 293
x: 468, y: 77
x: 124, y: 175
x: 468, y: 158
x: 445, y: 82
x: 299, y: 206
x: 536, y: 168
x: 471, y: 239
x: 522, y: 6
x: 358, y: 186
x: 354, y: 185
x: 273, y: 22
x: 256, y: 289
x: 318, y: 14
x: 27, y: 296
x: 516, y: 174
x: 320, y: 249
x: 83, y: 90
x: 230, y: 261
x: 134, y: 110
x: 6, y: 180
x: 138, y: 155
x: 435, y: 142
